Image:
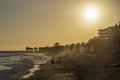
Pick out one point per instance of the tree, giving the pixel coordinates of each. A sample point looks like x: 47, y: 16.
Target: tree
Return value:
x: 56, y: 44
x: 29, y: 49
x: 35, y: 49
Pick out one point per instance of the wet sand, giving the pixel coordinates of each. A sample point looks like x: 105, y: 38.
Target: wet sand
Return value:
x: 32, y: 70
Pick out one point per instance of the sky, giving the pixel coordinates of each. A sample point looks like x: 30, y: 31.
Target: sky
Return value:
x: 37, y: 23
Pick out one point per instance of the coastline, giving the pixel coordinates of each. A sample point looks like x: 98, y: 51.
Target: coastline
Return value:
x: 31, y: 71
x: 34, y: 69
x: 17, y: 66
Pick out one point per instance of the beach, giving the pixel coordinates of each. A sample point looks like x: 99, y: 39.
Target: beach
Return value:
x: 50, y: 71
x: 73, y: 70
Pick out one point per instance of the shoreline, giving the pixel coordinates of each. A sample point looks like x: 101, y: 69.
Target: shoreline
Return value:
x: 31, y: 71
x: 22, y: 65
x: 56, y: 71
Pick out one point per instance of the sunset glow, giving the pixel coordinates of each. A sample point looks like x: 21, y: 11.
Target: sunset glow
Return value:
x: 44, y: 22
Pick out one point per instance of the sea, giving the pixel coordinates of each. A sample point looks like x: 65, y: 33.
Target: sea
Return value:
x: 18, y: 66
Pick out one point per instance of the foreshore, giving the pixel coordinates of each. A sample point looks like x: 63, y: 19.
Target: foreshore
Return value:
x: 31, y: 71
x: 54, y: 71
x: 34, y: 69
x: 84, y: 69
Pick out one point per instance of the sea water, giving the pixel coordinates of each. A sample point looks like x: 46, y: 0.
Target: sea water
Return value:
x: 20, y: 65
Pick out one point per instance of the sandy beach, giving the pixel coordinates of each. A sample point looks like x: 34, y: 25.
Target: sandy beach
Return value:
x: 82, y: 70
x: 50, y: 71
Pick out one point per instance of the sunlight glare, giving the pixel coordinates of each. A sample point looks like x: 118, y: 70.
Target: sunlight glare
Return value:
x: 91, y: 13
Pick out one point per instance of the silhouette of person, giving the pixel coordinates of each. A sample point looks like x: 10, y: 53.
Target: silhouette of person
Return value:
x: 52, y: 60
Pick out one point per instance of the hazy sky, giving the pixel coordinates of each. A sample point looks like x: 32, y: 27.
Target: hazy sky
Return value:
x: 44, y: 22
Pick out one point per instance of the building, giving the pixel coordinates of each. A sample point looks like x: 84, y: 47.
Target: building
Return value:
x: 105, y: 35
x: 110, y: 37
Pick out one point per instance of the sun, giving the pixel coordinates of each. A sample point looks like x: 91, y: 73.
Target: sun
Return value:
x: 91, y: 13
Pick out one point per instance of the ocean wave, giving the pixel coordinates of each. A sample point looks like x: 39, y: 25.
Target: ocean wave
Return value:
x: 18, y: 64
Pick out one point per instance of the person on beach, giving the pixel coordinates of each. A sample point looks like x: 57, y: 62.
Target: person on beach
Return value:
x: 52, y: 60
